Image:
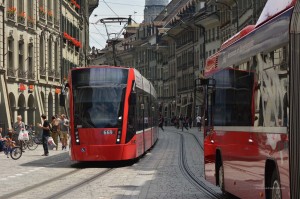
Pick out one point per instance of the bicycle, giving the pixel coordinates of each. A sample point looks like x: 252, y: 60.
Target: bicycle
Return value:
x: 10, y: 148
x: 32, y: 143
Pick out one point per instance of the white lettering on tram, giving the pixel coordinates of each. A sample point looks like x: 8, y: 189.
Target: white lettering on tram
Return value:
x: 247, y: 129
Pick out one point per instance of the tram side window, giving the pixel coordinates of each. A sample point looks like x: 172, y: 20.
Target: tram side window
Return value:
x: 232, y: 98
x: 146, y: 110
x: 153, y: 112
x: 139, y: 109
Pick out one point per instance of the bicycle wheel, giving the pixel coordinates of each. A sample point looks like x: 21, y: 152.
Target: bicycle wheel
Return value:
x: 31, y: 144
x: 16, y: 152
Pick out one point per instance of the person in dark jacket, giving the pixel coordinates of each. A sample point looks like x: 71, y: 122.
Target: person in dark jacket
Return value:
x: 161, y: 122
x: 46, y: 133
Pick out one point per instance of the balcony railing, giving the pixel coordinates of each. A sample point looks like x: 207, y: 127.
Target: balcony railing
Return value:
x: 50, y: 18
x: 51, y: 72
x: 22, y: 74
x: 56, y: 22
x: 30, y: 24
x: 31, y: 75
x: 43, y: 71
x: 42, y: 15
x: 21, y: 20
x: 11, y: 16
x: 57, y: 75
x: 11, y: 72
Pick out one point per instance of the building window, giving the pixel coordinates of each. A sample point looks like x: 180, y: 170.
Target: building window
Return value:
x: 55, y: 10
x: 50, y: 54
x: 21, y: 6
x: 42, y: 3
x: 30, y: 73
x: 21, y: 56
x: 30, y: 11
x: 56, y: 57
x: 42, y: 51
x: 10, y: 59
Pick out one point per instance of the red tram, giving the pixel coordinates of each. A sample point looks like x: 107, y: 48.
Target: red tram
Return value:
x: 251, y: 131
x: 113, y: 114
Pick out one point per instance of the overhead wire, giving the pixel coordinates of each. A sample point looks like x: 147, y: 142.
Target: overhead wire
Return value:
x: 96, y: 41
x: 124, y: 4
x: 111, y: 8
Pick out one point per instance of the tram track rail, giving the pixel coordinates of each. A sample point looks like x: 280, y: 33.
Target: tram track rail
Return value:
x: 79, y: 184
x: 54, y: 179
x: 189, y: 175
x: 35, y: 186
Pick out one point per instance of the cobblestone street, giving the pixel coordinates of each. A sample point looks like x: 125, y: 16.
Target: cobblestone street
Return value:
x: 156, y: 175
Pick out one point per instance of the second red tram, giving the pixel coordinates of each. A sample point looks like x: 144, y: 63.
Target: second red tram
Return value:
x: 251, y: 131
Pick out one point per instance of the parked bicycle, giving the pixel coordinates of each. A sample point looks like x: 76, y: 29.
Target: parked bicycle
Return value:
x: 33, y: 141
x: 9, y: 148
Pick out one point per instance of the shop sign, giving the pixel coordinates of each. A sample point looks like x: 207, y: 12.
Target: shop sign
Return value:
x: 57, y: 90
x: 22, y: 87
x: 30, y: 88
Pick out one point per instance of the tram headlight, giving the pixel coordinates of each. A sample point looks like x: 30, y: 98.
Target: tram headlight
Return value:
x: 77, y: 140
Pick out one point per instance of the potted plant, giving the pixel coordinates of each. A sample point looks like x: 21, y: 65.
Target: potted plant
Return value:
x: 50, y: 15
x: 42, y: 12
x: 11, y: 12
x: 21, y: 17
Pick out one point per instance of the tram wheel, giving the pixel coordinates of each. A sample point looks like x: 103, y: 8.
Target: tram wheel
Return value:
x: 221, y: 178
x: 275, y: 190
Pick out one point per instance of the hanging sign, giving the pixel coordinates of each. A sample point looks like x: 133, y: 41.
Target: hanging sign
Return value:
x: 22, y: 87
x: 57, y: 90
x: 30, y: 88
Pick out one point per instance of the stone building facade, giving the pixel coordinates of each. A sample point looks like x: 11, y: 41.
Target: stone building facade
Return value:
x: 31, y: 57
x: 171, y: 49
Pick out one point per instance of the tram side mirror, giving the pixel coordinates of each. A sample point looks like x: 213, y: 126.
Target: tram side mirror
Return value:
x: 132, y: 99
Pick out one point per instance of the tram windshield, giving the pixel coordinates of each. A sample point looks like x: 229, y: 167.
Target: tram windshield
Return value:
x: 99, y: 97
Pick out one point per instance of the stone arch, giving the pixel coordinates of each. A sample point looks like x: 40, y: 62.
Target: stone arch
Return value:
x: 21, y: 106
x: 43, y: 100
x: 12, y: 104
x: 50, y: 106
x: 12, y: 100
x: 56, y: 104
x: 31, y: 110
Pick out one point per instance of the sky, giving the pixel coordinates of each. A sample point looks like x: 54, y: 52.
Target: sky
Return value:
x: 113, y: 8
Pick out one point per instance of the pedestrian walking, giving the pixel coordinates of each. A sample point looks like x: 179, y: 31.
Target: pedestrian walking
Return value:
x: 185, y: 123
x: 181, y: 120
x: 64, y: 127
x: 190, y: 122
x: 55, y: 130
x: 161, y: 122
x: 198, y: 120
x: 17, y: 128
x: 46, y: 133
